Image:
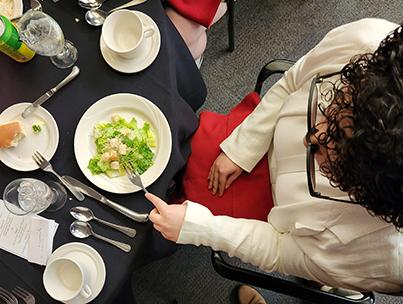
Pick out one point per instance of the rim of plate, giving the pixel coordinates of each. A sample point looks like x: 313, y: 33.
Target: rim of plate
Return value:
x: 101, y: 111
x: 12, y: 113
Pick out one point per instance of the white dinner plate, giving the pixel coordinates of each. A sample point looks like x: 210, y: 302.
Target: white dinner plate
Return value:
x: 11, y: 8
x: 92, y: 263
x: 138, y: 63
x: 20, y: 158
x: 127, y: 106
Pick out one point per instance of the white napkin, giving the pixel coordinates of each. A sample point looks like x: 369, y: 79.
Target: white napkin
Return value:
x: 29, y: 237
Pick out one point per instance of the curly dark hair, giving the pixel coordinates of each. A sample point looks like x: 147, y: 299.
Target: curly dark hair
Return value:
x: 365, y: 130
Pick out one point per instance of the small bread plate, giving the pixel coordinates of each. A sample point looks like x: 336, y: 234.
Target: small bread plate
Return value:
x: 92, y: 263
x: 136, y: 64
x: 127, y: 106
x: 20, y: 157
x: 11, y: 8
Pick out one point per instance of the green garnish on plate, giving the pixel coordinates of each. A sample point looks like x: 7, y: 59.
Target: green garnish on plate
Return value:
x: 36, y: 127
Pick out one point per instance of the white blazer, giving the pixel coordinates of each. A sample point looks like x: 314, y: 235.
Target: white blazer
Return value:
x: 337, y: 244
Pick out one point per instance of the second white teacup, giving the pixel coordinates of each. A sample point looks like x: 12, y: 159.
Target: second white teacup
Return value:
x: 123, y: 33
x: 64, y: 280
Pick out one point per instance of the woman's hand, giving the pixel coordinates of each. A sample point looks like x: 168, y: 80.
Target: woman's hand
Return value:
x: 167, y: 219
x: 222, y: 174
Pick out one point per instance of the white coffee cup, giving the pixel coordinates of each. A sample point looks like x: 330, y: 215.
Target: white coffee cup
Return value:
x: 64, y: 280
x: 123, y: 33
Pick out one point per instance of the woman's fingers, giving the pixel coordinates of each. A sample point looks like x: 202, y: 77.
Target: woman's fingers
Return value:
x: 222, y: 181
x: 215, y: 182
x: 210, y: 177
x: 158, y: 203
x: 155, y: 216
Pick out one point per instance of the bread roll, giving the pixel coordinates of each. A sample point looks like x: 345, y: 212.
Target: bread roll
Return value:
x: 10, y: 134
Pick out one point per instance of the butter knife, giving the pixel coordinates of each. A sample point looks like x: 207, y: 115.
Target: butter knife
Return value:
x: 33, y: 106
x: 87, y: 190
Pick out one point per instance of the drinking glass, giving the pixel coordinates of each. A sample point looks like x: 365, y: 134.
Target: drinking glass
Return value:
x: 31, y: 196
x: 42, y: 34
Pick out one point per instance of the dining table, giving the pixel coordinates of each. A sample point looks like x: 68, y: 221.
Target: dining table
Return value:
x: 172, y: 82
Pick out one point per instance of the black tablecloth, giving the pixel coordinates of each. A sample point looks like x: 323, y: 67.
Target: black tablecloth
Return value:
x: 172, y: 82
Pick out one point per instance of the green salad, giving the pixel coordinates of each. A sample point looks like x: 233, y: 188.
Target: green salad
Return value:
x: 121, y: 144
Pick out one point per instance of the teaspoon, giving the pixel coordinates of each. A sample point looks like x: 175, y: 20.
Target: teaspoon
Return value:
x: 96, y: 17
x: 83, y: 230
x: 85, y: 214
x: 90, y: 4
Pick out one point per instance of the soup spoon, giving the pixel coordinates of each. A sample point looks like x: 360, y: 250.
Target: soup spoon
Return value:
x: 85, y: 214
x: 97, y: 16
x: 83, y: 230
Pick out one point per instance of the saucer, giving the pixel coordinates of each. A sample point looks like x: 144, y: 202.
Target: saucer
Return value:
x: 20, y: 158
x: 92, y: 264
x: 136, y: 64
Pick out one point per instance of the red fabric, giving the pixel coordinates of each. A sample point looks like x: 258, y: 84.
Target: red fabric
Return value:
x: 200, y: 11
x: 250, y: 195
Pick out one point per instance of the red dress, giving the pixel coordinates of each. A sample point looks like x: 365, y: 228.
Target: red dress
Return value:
x: 250, y: 195
x: 200, y: 11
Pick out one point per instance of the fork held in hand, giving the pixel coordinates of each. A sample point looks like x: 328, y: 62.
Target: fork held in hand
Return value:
x: 135, y: 179
x: 7, y: 296
x: 26, y: 296
x: 47, y: 167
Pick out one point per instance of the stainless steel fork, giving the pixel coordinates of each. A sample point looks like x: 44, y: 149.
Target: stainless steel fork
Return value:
x: 46, y: 166
x: 7, y: 296
x: 135, y: 179
x: 26, y: 296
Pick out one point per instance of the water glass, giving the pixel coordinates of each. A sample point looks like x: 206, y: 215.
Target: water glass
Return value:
x: 31, y: 196
x: 42, y: 34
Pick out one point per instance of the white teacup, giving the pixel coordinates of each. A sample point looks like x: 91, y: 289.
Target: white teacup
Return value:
x: 64, y: 280
x: 123, y: 33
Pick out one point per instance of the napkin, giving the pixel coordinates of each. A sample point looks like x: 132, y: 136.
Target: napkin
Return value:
x: 29, y: 237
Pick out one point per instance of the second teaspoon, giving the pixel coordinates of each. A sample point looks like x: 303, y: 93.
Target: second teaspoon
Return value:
x: 83, y: 230
x: 85, y: 214
x: 96, y: 17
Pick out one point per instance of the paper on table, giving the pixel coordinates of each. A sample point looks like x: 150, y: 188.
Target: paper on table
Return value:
x: 29, y: 237
x: 14, y: 232
x: 40, y: 242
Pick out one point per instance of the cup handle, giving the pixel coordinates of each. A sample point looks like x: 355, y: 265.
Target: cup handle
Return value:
x: 148, y: 31
x: 86, y: 291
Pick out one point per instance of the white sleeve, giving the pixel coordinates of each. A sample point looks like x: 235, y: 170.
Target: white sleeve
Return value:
x: 251, y: 139
x: 252, y: 241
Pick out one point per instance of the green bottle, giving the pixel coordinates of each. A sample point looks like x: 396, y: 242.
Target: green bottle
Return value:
x: 10, y: 43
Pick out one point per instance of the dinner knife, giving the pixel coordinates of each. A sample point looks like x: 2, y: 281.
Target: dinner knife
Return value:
x: 33, y: 106
x: 87, y: 190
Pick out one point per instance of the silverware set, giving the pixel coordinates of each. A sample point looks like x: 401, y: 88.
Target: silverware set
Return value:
x: 85, y: 214
x: 82, y: 229
x: 17, y: 292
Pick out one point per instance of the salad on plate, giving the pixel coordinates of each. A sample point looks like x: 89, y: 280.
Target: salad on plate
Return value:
x: 121, y: 143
